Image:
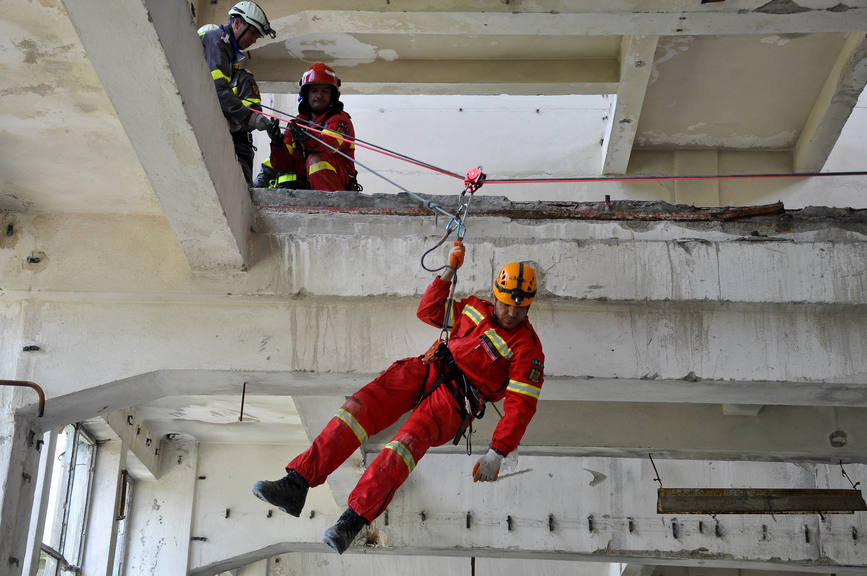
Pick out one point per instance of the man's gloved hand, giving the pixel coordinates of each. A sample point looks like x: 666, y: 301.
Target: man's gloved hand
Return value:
x: 456, y: 255
x: 299, y: 134
x: 274, y: 132
x: 488, y: 467
x: 258, y: 121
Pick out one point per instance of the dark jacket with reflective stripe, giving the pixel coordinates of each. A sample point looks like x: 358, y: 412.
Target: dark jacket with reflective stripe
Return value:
x: 221, y: 62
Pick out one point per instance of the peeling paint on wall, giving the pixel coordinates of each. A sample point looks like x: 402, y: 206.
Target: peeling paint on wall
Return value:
x: 336, y: 49
x: 668, y: 49
x: 781, y: 7
x: 779, y: 141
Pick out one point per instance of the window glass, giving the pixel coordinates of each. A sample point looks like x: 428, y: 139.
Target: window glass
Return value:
x: 79, y: 498
x: 47, y: 565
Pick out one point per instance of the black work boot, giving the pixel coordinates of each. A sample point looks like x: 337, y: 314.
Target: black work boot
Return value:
x: 287, y: 494
x: 341, y: 535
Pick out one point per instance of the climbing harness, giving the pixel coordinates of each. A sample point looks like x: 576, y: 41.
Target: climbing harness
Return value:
x: 470, y: 403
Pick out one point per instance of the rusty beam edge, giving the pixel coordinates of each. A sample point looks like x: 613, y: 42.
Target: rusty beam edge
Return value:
x: 547, y: 213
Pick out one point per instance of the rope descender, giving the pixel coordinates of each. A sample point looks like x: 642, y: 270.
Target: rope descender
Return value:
x: 473, y: 181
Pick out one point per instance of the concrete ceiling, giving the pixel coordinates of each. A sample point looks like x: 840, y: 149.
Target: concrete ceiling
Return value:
x: 741, y: 74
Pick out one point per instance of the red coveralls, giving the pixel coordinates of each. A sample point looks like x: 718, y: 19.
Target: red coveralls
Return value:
x: 497, y: 361
x: 324, y: 168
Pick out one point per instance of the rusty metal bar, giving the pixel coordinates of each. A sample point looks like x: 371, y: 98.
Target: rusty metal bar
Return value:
x: 758, y: 501
x: 243, y: 396
x: 28, y: 384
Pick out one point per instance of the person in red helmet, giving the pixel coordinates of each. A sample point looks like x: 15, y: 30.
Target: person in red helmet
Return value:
x: 315, y: 165
x: 493, y: 353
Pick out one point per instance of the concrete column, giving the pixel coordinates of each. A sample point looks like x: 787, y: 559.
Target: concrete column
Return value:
x: 19, y: 466
x: 159, y: 530
x: 40, y: 503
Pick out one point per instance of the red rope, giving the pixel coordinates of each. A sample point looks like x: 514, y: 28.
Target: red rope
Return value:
x: 656, y: 178
x: 372, y: 148
x: 580, y: 179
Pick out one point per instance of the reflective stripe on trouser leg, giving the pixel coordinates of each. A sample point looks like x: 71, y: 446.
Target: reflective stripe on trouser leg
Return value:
x: 433, y: 423
x: 330, y: 449
x: 327, y: 172
x: 373, y: 408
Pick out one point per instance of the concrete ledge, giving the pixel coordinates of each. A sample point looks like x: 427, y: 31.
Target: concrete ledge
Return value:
x: 630, y: 251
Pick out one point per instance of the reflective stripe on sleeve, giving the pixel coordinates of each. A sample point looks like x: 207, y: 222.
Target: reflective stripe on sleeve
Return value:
x: 353, y: 424
x: 218, y: 74
x: 473, y: 314
x: 402, y: 450
x: 319, y: 166
x: 336, y: 135
x: 286, y: 178
x: 525, y: 389
x: 500, y: 344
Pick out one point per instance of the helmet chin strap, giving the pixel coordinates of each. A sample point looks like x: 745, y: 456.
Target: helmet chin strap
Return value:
x: 239, y: 54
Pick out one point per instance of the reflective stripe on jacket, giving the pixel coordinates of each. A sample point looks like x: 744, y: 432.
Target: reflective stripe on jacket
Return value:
x: 221, y: 62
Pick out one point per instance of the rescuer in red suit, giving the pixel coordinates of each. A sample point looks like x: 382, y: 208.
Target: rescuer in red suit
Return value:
x: 493, y: 353
x: 315, y: 165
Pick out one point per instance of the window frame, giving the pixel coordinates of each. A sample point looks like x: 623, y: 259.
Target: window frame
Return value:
x: 63, y: 564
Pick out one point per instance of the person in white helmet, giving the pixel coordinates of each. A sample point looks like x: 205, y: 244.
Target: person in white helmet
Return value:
x: 237, y: 90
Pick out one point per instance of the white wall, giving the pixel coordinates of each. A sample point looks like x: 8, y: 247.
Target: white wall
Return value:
x: 559, y: 137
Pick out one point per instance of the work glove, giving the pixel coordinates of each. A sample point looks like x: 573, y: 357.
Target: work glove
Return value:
x: 456, y: 255
x: 274, y: 132
x: 258, y: 121
x: 488, y: 467
x: 299, y: 134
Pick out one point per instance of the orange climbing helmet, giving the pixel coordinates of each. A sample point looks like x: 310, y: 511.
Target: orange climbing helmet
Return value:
x: 516, y: 284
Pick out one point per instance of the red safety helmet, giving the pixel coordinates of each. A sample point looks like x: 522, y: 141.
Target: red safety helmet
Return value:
x: 516, y: 284
x: 319, y: 73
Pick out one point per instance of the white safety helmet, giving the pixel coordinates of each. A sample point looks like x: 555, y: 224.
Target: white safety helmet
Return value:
x: 207, y: 28
x: 254, y: 16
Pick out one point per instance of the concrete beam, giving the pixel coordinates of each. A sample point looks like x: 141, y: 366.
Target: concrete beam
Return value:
x: 568, y: 421
x: 631, y: 430
x: 636, y: 62
x: 583, y: 76
x: 802, y: 256
x: 837, y: 99
x: 596, y: 18
x: 165, y: 99
x: 552, y: 503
